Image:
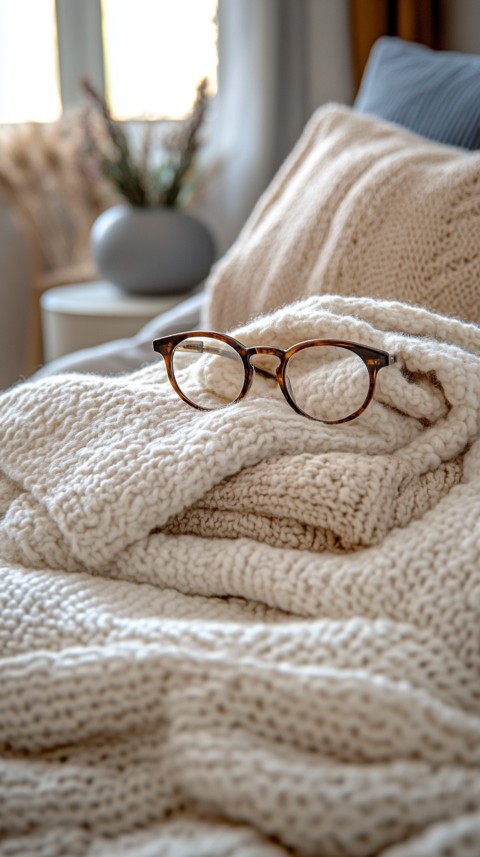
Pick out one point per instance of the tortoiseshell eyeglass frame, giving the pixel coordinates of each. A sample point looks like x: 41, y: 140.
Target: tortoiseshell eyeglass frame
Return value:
x: 373, y: 358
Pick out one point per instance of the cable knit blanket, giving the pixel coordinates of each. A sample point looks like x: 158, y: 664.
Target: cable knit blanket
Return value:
x: 244, y: 632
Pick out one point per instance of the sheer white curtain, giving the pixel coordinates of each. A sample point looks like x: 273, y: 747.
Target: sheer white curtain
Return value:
x: 278, y: 61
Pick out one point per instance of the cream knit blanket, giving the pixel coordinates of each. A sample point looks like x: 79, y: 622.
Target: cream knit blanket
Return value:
x: 168, y: 693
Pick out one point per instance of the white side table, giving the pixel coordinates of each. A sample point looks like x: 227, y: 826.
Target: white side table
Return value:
x: 85, y: 314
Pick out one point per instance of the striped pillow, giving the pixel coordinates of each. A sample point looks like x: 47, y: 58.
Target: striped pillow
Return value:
x: 434, y: 93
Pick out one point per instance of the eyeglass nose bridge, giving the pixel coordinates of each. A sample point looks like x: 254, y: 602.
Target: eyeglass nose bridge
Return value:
x: 278, y: 375
x: 267, y: 351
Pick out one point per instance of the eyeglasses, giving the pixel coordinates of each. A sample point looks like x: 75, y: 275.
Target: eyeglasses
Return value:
x: 323, y: 379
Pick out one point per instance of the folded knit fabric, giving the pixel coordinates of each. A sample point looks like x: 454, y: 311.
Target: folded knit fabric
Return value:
x: 360, y: 207
x: 100, y: 462
x: 176, y: 694
x: 335, y: 501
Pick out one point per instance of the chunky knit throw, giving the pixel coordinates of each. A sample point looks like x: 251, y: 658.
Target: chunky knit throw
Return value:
x: 244, y: 632
x: 361, y: 207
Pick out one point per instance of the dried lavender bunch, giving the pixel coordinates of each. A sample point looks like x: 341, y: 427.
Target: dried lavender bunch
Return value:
x: 134, y: 177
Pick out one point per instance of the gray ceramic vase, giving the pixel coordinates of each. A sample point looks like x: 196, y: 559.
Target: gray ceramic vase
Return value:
x: 151, y: 250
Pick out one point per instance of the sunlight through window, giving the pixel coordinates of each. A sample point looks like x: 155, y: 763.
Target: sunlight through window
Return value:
x: 29, y: 88
x: 156, y: 51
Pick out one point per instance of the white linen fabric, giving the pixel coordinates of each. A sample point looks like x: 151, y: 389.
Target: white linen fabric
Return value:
x: 183, y: 694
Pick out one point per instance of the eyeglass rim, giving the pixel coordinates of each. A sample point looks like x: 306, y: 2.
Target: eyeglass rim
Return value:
x: 373, y: 358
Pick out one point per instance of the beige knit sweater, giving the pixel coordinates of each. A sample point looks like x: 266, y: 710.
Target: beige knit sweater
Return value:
x: 363, y: 208
x: 170, y: 693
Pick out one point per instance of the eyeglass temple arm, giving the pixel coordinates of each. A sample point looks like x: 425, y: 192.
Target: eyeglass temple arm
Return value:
x: 221, y: 352
x: 201, y: 348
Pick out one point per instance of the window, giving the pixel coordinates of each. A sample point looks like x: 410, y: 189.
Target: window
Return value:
x: 147, y: 55
x: 154, y: 57
x: 29, y: 84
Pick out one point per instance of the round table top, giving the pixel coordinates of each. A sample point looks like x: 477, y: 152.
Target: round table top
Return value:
x: 104, y: 298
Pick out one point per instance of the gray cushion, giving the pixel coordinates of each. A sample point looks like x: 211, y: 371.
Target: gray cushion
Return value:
x: 433, y: 93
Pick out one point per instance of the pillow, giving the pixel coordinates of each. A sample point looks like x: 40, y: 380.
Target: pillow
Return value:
x: 434, y: 93
x: 360, y: 207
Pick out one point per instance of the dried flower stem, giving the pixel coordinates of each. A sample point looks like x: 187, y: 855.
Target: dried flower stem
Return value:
x: 134, y: 179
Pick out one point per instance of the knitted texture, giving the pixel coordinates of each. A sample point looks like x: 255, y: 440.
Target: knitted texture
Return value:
x: 363, y: 208
x: 338, y: 501
x: 177, y: 694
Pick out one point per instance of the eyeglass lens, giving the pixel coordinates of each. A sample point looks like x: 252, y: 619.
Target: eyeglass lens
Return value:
x: 327, y: 382
x: 209, y: 372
